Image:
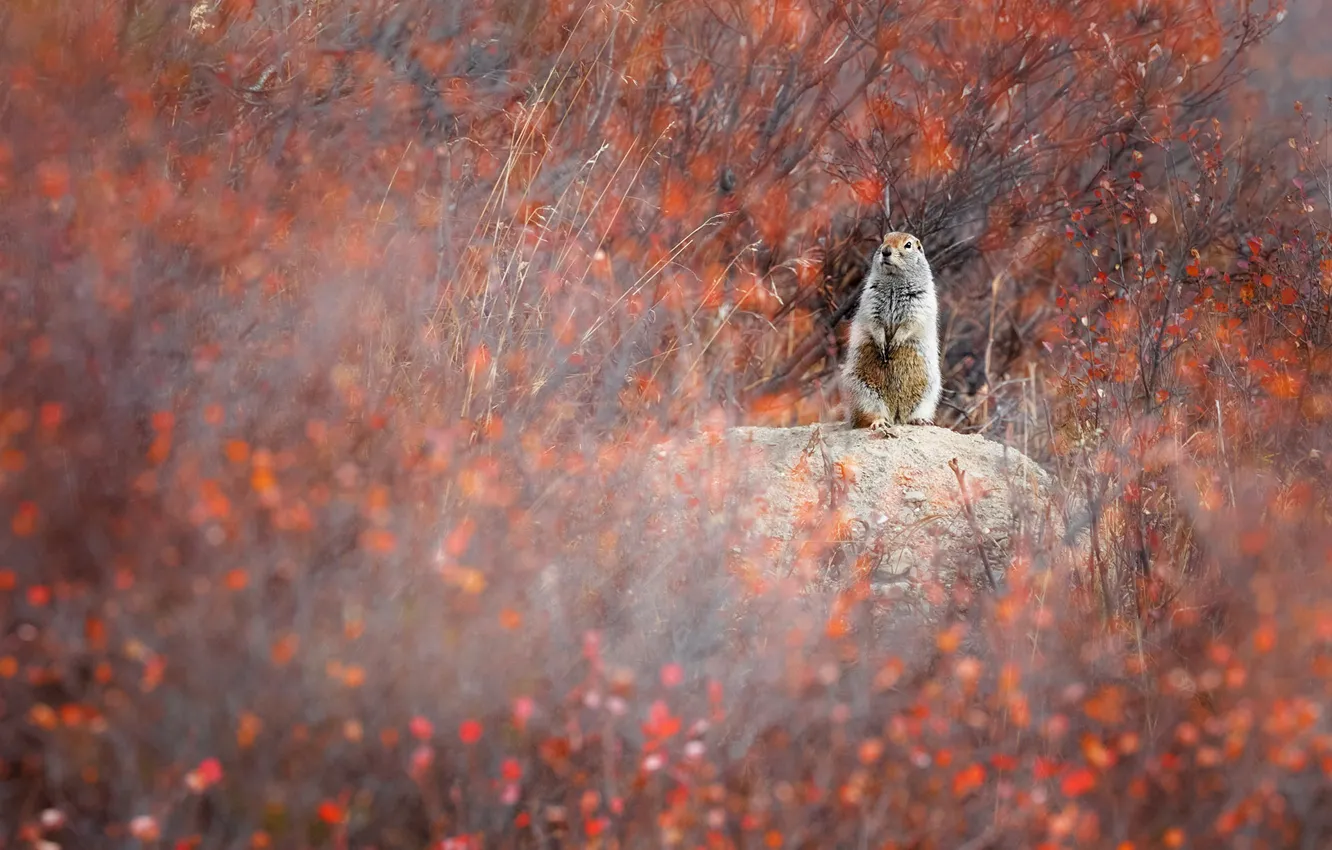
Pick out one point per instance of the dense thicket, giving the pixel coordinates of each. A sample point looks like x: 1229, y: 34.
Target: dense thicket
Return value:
x: 335, y: 334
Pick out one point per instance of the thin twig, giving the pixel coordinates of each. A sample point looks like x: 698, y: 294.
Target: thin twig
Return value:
x: 971, y: 520
x: 989, y: 346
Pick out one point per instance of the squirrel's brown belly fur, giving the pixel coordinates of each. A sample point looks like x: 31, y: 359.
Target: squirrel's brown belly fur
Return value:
x: 897, y: 374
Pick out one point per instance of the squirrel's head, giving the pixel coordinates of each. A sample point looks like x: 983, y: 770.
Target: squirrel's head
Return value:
x: 901, y: 252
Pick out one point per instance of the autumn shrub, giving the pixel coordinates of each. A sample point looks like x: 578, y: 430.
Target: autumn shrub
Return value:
x: 340, y: 339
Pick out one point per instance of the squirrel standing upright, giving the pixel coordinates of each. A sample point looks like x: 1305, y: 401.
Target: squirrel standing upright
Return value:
x: 891, y: 375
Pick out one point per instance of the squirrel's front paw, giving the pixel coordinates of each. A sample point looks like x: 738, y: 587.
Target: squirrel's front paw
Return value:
x: 882, y: 426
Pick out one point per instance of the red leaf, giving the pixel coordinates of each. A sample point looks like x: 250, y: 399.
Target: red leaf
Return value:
x: 50, y: 415
x: 24, y: 521
x: 672, y: 675
x: 674, y: 201
x: 421, y: 728
x: 240, y: 9
x: 522, y: 710
x: 330, y: 812
x: 661, y: 723
x: 1077, y: 782
x: 1044, y: 768
x: 53, y: 179
x: 868, y: 191
x: 469, y: 731
x: 210, y: 770
x: 1004, y: 762
x: 595, y: 827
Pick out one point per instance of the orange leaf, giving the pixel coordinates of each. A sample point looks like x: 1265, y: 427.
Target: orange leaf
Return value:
x: 1264, y: 638
x: 247, y: 729
x: 674, y: 201
x: 378, y: 540
x: 1253, y: 542
x: 159, y: 450
x: 44, y: 716
x: 1283, y: 386
x: 950, y: 639
x: 353, y: 676
x: 94, y: 629
x: 262, y: 480
x: 968, y: 779
x: 868, y: 191
x: 1096, y: 753
x: 870, y: 750
x: 837, y: 625
x: 465, y: 579
x: 479, y: 360
x: 237, y: 451
x: 1107, y: 706
x: 284, y: 649
x: 24, y: 522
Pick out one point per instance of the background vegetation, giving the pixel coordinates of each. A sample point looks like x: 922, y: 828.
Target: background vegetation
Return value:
x: 336, y: 334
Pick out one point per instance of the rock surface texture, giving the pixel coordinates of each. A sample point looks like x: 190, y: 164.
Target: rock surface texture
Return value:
x: 824, y: 503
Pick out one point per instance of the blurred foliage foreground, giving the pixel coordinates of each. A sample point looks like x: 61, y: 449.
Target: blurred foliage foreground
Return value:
x: 335, y: 335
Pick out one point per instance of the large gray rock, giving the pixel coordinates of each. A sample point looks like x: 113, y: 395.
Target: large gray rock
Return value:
x: 826, y: 504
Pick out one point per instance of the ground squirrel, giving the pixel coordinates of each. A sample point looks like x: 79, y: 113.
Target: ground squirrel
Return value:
x: 891, y: 374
